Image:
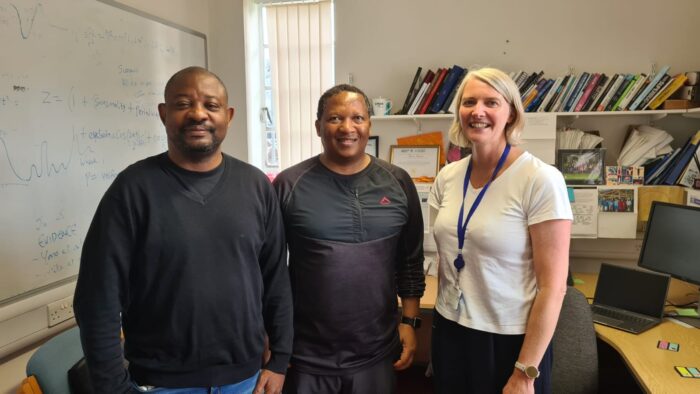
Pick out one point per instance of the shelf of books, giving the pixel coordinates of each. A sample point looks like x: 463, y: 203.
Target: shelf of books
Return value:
x: 692, y: 113
x: 658, y: 93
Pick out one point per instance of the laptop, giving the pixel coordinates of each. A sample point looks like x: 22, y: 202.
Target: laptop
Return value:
x: 629, y: 299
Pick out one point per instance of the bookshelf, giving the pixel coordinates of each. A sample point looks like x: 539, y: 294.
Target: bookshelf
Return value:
x: 613, y: 125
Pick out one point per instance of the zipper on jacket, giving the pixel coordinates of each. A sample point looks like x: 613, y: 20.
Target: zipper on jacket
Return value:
x: 358, y: 206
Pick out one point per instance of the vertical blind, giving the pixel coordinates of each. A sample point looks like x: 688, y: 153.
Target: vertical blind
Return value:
x: 301, y: 54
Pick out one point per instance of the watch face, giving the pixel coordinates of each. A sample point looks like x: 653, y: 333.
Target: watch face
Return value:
x: 532, y: 372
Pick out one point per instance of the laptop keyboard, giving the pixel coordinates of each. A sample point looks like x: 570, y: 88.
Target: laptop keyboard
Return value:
x: 617, y: 315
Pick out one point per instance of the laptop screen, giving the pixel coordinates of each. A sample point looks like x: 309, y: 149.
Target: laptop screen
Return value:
x: 632, y: 290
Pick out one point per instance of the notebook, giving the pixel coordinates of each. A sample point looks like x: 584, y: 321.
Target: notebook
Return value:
x: 629, y: 299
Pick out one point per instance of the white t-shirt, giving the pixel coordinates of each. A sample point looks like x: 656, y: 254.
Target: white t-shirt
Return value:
x: 496, y: 288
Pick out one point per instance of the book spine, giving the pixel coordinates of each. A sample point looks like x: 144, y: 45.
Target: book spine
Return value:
x: 448, y: 84
x: 663, y: 82
x: 577, y: 92
x: 541, y: 92
x: 587, y: 92
x: 657, y: 175
x: 675, y: 84
x: 613, y: 88
x: 638, y: 83
x: 449, y: 103
x: 604, y: 91
x: 623, y: 90
x: 439, y: 77
x: 529, y: 83
x: 550, y: 94
x: 560, y: 91
x: 652, y: 82
x: 600, y: 86
x: 419, y: 97
x: 682, y: 160
x: 618, y: 92
x: 567, y: 92
x: 692, y: 171
x: 411, y: 91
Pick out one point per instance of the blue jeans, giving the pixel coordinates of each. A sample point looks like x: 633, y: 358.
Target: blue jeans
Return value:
x: 243, y: 387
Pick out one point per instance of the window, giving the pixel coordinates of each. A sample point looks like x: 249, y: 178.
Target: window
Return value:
x: 290, y: 47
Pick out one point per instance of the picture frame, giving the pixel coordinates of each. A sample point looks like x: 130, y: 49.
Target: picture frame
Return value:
x: 422, y: 162
x: 372, y: 147
x: 582, y: 166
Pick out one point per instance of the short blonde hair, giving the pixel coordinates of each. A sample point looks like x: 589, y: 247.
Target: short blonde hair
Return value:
x: 505, y: 86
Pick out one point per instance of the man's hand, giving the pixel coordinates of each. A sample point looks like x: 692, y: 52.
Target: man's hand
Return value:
x: 269, y: 383
x: 409, y: 344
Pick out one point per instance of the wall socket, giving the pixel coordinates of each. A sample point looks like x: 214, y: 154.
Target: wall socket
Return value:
x: 60, y: 311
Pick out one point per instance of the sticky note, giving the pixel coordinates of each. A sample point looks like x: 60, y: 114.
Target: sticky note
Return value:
x: 662, y: 345
x: 674, y: 347
x: 683, y: 372
x: 694, y: 371
x: 691, y: 312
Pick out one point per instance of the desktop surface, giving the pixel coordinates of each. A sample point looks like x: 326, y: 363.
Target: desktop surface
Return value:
x: 653, y: 367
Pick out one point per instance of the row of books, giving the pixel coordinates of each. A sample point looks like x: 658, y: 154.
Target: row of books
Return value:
x: 432, y: 92
x: 596, y: 91
x: 679, y: 167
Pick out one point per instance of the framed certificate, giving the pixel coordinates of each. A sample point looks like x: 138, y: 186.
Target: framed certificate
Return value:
x: 420, y: 161
x: 372, y: 147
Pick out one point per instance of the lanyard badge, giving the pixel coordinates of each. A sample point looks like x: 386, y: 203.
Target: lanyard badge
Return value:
x: 462, y: 228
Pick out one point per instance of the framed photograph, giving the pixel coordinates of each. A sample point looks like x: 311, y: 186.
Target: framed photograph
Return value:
x: 372, y: 147
x: 420, y: 161
x: 582, y: 166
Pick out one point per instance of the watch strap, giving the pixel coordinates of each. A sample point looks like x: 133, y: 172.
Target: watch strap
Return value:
x: 530, y: 371
x: 414, y: 322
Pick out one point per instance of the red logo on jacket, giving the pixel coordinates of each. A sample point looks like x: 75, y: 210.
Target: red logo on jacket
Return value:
x: 384, y: 201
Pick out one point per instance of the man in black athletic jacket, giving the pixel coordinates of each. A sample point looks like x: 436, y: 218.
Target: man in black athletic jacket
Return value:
x: 355, y: 234
x: 186, y: 254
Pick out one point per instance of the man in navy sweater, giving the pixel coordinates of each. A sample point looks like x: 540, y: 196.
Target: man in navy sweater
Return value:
x: 186, y: 253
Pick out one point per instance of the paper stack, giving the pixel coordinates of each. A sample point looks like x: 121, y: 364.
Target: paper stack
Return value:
x: 644, y: 143
x: 577, y: 139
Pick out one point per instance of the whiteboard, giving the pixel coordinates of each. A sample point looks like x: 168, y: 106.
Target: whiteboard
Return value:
x: 80, y: 81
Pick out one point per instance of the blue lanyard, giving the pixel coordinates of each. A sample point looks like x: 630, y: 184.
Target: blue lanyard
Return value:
x: 462, y: 228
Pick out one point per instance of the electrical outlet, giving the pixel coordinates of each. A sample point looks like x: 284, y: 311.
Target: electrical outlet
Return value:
x: 60, y: 311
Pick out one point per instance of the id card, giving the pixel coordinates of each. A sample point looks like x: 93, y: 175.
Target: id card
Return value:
x: 452, y: 296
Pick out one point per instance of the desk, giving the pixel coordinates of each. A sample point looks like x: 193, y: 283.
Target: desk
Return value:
x: 652, y: 367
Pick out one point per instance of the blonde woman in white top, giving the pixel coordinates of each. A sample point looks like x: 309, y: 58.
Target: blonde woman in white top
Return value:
x: 502, y: 271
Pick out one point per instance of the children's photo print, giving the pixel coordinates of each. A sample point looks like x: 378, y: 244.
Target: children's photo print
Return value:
x: 582, y: 166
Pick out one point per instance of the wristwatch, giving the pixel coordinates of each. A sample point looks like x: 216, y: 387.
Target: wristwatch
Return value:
x: 530, y: 371
x: 411, y: 321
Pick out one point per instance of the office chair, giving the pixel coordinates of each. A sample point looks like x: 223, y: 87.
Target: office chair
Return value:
x: 574, y: 347
x: 48, y: 367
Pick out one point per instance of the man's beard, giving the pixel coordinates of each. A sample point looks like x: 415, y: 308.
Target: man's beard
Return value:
x: 198, y: 149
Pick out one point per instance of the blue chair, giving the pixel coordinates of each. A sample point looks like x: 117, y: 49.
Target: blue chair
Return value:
x: 51, y: 362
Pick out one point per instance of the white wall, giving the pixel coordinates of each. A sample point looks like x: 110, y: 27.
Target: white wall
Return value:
x: 383, y: 42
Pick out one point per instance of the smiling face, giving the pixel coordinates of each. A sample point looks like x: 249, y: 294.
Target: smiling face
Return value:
x: 483, y: 113
x: 196, y: 117
x: 344, y: 130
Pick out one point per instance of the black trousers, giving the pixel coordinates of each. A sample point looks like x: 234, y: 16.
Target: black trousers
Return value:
x: 471, y: 361
x: 378, y: 378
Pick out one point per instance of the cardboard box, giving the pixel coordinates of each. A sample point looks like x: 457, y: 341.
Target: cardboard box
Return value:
x: 647, y: 194
x: 680, y: 104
